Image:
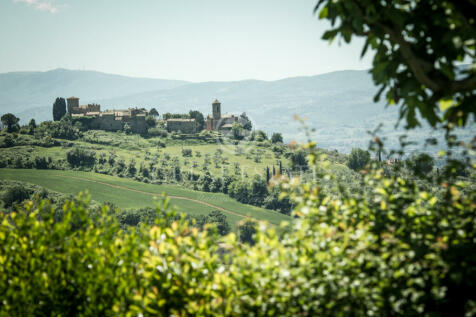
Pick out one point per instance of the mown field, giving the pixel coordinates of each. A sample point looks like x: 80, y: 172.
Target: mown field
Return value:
x: 126, y: 193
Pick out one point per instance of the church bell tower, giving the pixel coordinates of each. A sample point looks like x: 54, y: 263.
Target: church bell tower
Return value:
x: 216, y: 110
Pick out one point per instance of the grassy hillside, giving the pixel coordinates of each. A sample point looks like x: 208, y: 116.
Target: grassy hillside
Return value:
x: 127, y: 193
x: 250, y: 158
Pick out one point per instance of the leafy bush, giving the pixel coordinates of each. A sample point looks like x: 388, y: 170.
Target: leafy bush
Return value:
x: 8, y: 141
x: 421, y: 164
x: 63, y: 129
x: 277, y: 138
x: 217, y: 219
x: 186, y: 152
x: 397, y: 251
x: 156, y: 131
x: 79, y: 157
x: 15, y: 194
x: 247, y: 232
x: 358, y: 159
x: 299, y: 160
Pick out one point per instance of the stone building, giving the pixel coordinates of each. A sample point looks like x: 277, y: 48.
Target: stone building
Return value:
x: 219, y: 122
x: 182, y: 125
x: 74, y: 107
x: 109, y: 120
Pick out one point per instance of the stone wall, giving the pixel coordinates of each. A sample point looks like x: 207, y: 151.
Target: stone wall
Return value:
x: 107, y: 122
x: 182, y: 125
x: 138, y: 124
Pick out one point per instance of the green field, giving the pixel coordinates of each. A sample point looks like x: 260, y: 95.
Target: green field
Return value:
x: 126, y: 193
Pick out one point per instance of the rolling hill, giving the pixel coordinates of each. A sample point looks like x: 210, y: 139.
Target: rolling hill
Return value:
x: 31, y: 94
x: 338, y: 105
x: 126, y: 193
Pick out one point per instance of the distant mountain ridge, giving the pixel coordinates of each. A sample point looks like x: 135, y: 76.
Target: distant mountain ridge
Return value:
x: 339, y: 105
x: 23, y: 91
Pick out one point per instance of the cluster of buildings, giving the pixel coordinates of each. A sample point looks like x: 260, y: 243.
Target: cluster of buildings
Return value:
x: 214, y: 122
x: 109, y: 120
x: 114, y: 120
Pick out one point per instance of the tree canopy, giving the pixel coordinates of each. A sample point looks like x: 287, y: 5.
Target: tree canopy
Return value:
x: 419, y: 48
x: 237, y: 131
x: 154, y: 112
x: 277, y: 138
x: 11, y: 121
x: 199, y: 119
x: 358, y: 158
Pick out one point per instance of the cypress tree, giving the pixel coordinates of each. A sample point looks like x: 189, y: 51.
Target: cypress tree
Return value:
x: 59, y: 109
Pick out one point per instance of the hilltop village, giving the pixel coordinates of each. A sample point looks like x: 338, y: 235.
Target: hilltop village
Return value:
x: 135, y: 118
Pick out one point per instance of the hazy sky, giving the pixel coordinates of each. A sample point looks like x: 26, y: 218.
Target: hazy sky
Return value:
x: 196, y: 40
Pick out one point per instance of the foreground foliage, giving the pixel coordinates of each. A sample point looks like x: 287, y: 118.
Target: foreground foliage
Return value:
x: 398, y: 250
x: 417, y: 61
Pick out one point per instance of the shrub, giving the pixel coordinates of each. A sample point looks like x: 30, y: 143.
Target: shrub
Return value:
x: 8, y: 141
x: 41, y: 162
x: 156, y: 131
x: 79, y: 157
x: 420, y: 164
x: 277, y: 138
x: 247, y: 232
x: 218, y: 220
x: 186, y: 152
x: 15, y: 194
x: 358, y: 159
x: 398, y: 251
x: 299, y: 160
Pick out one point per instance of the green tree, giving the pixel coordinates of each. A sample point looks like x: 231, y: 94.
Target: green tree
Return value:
x: 199, y: 119
x: 277, y: 138
x: 15, y: 194
x: 247, y: 232
x: 417, y: 59
x: 358, y: 159
x: 240, y: 190
x: 217, y: 185
x: 78, y: 157
x: 421, y: 164
x: 261, y: 136
x: 131, y: 168
x: 218, y: 219
x: 11, y: 121
x: 298, y: 160
x: 259, y: 190
x: 59, y: 109
x: 237, y: 131
x: 206, y: 181
x: 153, y: 112
x: 246, y: 122
x: 150, y: 121
x: 31, y: 126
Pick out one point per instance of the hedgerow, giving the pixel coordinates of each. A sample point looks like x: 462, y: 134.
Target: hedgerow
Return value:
x: 398, y: 250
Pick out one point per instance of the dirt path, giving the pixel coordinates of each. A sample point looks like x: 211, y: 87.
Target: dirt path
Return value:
x: 154, y: 194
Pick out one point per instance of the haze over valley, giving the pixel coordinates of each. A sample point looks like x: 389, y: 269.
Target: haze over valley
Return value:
x: 338, y: 105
